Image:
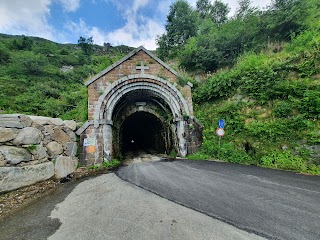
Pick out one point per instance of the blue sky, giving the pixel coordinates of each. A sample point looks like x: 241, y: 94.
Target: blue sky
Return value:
x: 128, y: 22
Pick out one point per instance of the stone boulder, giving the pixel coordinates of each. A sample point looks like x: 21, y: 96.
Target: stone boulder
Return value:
x: 16, y: 177
x: 15, y: 155
x: 59, y: 135
x: 70, y: 124
x: 54, y: 149
x: 15, y: 121
x: 6, y: 134
x: 28, y: 136
x: 64, y: 166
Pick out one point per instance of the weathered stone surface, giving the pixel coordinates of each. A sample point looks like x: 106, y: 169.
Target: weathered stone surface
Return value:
x: 70, y: 124
x: 15, y: 120
x: 71, y: 149
x: 6, y: 134
x: 15, y: 155
x: 48, y: 130
x: 59, y: 135
x: 27, y: 136
x: 46, y: 120
x: 16, y: 177
x: 73, y: 136
x: 2, y: 161
x: 39, y: 152
x: 64, y: 166
x: 54, y: 149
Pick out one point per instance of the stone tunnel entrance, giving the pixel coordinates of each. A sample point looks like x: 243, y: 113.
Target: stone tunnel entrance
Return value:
x: 143, y: 131
x: 137, y: 104
x: 141, y: 123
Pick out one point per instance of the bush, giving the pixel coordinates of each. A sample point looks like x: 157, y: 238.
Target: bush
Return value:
x: 284, y: 160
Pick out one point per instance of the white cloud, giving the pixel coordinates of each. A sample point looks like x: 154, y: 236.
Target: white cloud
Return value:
x: 138, y: 29
x: 132, y: 34
x: 70, y: 5
x: 25, y: 17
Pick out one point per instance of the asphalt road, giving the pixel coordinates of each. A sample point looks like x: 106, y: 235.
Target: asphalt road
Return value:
x: 271, y: 203
x: 107, y: 207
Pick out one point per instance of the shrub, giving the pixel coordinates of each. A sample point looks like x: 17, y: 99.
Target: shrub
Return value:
x: 284, y: 160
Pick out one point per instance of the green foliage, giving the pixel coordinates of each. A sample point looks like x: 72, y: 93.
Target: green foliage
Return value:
x: 284, y: 160
x: 114, y: 163
x: 249, y: 30
x: 173, y: 153
x: 86, y: 45
x: 4, y: 54
x: 181, y: 25
x: 31, y: 81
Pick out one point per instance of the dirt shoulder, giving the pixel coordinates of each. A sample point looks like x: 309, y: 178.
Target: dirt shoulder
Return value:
x: 14, y: 200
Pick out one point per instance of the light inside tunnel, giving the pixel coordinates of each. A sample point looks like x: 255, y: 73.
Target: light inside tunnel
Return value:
x: 142, y: 131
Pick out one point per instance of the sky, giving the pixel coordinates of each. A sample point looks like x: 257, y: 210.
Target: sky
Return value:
x: 129, y: 22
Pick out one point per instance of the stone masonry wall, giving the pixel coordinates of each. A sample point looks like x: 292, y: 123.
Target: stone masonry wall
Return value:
x: 34, y: 149
x: 128, y: 67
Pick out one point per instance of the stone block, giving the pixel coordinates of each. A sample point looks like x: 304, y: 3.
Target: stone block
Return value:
x: 39, y: 152
x: 48, y: 130
x: 28, y: 136
x: 2, y: 161
x: 6, y: 134
x: 16, y: 177
x: 59, y: 135
x: 46, y: 120
x: 70, y: 124
x: 15, y: 155
x: 15, y: 121
x: 73, y: 136
x: 54, y: 149
x: 71, y: 149
x: 64, y: 166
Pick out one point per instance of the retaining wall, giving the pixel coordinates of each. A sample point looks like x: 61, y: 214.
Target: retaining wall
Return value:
x: 34, y: 149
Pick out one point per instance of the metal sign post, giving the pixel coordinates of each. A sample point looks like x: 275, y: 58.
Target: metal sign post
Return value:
x: 220, y: 133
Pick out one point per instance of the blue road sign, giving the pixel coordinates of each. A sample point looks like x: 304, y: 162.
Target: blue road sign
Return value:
x: 221, y: 123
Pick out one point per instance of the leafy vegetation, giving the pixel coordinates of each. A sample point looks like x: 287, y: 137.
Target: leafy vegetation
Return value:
x: 40, y: 77
x: 263, y: 71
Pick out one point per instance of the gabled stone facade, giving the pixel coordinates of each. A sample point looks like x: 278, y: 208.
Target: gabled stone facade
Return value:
x: 140, y: 82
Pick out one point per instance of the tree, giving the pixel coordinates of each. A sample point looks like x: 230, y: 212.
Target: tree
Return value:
x: 244, y: 9
x: 219, y: 12
x: 285, y: 18
x: 203, y: 8
x: 181, y: 25
x: 86, y: 45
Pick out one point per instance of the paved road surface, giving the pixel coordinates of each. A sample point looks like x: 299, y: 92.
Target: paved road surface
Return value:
x: 274, y: 204
x: 107, y: 207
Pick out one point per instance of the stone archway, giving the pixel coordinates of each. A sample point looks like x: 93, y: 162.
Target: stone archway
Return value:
x: 136, y: 88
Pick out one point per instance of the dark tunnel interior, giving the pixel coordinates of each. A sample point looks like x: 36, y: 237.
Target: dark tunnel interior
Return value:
x: 142, y: 131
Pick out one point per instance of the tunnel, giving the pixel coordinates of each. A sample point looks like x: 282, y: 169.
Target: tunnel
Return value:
x: 142, y: 131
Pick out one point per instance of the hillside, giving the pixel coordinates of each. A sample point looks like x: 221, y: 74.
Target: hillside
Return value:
x: 259, y: 70
x: 271, y: 105
x: 40, y: 77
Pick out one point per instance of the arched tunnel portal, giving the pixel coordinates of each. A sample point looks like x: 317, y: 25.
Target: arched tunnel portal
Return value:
x: 142, y: 122
x: 138, y: 104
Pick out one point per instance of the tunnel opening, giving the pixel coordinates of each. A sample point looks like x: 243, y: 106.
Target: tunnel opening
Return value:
x: 143, y: 132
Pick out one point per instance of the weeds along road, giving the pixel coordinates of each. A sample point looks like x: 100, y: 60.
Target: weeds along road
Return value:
x: 271, y: 203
